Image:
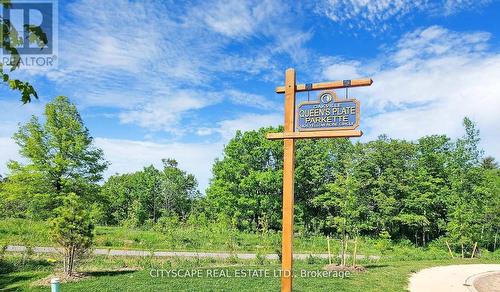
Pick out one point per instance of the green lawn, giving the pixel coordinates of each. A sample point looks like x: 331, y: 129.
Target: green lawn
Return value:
x: 381, y: 276
x: 388, y: 274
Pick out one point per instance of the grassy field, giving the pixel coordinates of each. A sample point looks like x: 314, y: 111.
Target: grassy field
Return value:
x: 108, y: 274
x: 22, y: 271
x: 29, y: 233
x: 210, y: 239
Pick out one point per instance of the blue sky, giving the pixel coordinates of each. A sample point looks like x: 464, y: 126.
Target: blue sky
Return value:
x: 158, y: 79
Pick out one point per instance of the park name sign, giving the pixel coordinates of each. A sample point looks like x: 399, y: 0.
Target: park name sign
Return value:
x: 327, y: 117
x: 328, y: 113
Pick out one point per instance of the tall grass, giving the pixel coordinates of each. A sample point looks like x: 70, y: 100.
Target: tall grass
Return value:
x: 213, y: 238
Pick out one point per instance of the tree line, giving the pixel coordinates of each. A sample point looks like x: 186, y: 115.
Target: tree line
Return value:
x: 414, y: 190
x: 406, y: 190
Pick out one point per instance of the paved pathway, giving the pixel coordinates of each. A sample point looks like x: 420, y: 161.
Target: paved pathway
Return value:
x: 488, y: 283
x: 454, y: 278
x: 120, y: 252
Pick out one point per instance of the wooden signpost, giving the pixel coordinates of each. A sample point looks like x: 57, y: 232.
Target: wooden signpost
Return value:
x: 329, y: 117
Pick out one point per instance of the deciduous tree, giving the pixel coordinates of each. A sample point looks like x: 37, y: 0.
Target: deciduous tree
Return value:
x: 60, y: 157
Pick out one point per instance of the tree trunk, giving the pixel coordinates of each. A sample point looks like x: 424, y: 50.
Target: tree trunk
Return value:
x: 423, y: 237
x: 154, y: 208
x: 342, y: 251
x: 345, y: 250
x: 65, y: 261
x: 329, y: 254
x: 495, y: 243
x: 354, y: 253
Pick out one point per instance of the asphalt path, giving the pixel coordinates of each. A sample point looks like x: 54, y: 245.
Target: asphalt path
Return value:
x: 454, y: 278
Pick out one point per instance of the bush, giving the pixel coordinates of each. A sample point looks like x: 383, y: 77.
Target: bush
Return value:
x: 73, y: 230
x: 384, y: 243
x: 167, y: 223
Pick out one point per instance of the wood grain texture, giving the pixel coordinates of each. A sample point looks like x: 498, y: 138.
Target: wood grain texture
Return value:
x: 288, y: 184
x: 315, y: 134
x: 329, y: 85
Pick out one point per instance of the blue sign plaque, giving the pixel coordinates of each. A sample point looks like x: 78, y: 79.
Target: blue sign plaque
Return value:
x: 328, y: 113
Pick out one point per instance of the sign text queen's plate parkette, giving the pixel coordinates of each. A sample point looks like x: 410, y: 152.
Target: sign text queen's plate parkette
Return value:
x: 328, y: 113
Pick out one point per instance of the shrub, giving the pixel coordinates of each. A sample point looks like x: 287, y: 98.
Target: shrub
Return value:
x: 384, y: 243
x: 73, y: 230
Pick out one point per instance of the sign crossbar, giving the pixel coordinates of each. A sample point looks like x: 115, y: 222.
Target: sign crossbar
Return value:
x: 314, y: 134
x: 329, y: 85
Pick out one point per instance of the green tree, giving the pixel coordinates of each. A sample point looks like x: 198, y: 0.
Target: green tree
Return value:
x: 389, y: 188
x: 383, y: 169
x: 468, y: 201
x: 73, y: 230
x: 178, y: 190
x: 61, y: 159
x: 145, y: 196
x: 491, y: 226
x: 343, y: 206
x: 118, y: 194
x: 423, y: 213
x: 489, y: 163
x: 319, y: 162
x: 150, y: 181
x: 246, y: 183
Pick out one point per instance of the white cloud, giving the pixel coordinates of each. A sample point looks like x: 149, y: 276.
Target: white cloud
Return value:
x: 366, y: 14
x: 9, y: 151
x: 455, y: 6
x: 433, y: 79
x: 236, y: 19
x: 196, y: 158
x: 436, y: 41
x: 249, y: 99
x: 13, y: 112
x: 166, y: 113
x: 141, y: 59
x: 131, y: 53
x: 341, y: 70
x: 376, y: 16
x: 247, y: 122
x: 128, y: 156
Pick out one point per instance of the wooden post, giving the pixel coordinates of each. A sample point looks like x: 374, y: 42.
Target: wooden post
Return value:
x: 354, y: 253
x: 345, y: 250
x: 342, y: 245
x: 288, y: 184
x: 329, y: 254
x: 449, y: 249
x: 473, y: 250
x: 289, y: 136
x: 495, y: 244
